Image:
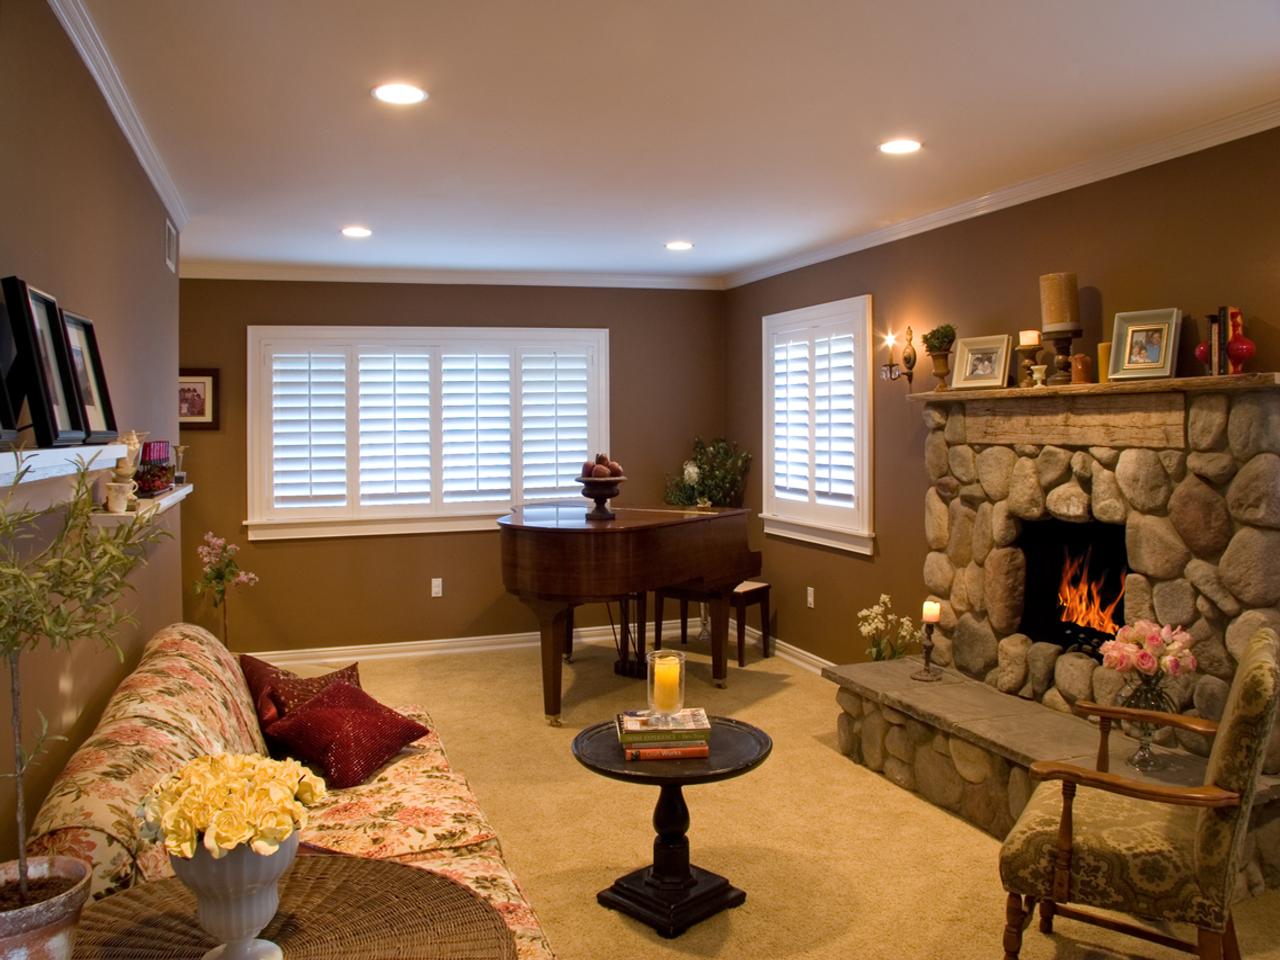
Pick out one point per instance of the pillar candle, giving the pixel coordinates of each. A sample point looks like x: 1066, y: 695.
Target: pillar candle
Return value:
x: 666, y: 685
x: 1059, y: 303
x: 931, y: 612
x: 1104, y: 361
x: 1028, y: 338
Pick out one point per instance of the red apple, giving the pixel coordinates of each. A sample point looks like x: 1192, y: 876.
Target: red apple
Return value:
x: 600, y: 471
x: 615, y: 468
x: 587, y: 468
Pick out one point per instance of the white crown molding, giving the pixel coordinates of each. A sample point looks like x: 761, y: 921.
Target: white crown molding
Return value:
x: 79, y: 25
x: 1254, y: 120
x: 236, y: 270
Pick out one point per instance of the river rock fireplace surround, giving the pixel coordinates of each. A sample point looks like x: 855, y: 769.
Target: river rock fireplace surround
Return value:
x: 1183, y: 478
x: 1188, y: 469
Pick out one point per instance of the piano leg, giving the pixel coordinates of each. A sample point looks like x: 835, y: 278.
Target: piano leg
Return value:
x: 552, y: 620
x: 568, y: 637
x: 719, y: 604
x: 630, y: 662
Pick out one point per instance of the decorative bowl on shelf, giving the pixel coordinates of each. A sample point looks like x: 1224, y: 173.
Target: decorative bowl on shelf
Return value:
x: 601, y: 490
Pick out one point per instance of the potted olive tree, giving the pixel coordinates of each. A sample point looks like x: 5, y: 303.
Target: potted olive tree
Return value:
x: 937, y: 342
x: 61, y: 579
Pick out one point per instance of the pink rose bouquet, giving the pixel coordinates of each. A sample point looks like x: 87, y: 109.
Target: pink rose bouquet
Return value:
x: 1149, y: 649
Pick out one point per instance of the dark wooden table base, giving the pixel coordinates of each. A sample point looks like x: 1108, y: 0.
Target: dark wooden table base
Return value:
x: 672, y: 895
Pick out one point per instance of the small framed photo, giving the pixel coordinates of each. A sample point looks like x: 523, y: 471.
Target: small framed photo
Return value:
x: 197, y: 399
x: 8, y: 380
x: 1145, y: 344
x: 91, y: 379
x: 982, y: 362
x: 43, y: 365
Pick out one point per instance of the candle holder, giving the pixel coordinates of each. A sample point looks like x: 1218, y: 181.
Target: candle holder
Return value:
x: 1062, y: 355
x: 1026, y: 358
x: 929, y: 673
x: 665, y: 684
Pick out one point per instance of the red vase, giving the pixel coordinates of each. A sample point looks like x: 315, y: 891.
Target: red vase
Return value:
x: 1240, y: 350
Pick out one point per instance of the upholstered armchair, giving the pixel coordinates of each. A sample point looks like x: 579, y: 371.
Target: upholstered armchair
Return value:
x: 1159, y: 853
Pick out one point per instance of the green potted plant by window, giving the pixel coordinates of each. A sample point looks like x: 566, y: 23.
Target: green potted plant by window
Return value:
x: 61, y: 578
x: 937, y: 342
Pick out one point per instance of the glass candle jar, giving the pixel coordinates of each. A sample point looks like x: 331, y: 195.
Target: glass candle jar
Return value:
x: 666, y: 682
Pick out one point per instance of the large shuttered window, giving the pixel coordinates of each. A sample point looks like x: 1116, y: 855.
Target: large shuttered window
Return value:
x: 357, y: 431
x: 817, y: 424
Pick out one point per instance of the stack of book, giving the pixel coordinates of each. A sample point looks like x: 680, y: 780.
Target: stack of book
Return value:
x: 644, y: 736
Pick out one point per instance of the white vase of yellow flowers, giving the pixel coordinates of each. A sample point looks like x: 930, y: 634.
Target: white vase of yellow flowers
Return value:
x: 230, y: 824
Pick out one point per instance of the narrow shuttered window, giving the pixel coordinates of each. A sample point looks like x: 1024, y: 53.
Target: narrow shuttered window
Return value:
x: 554, y: 392
x: 309, y: 430
x: 817, y: 424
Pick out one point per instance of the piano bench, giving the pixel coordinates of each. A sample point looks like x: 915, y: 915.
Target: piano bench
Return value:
x: 744, y: 595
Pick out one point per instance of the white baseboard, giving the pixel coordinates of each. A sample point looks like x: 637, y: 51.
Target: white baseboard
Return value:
x: 322, y: 656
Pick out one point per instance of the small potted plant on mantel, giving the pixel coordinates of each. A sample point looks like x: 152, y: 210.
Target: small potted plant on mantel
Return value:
x: 937, y: 342
x: 61, y: 577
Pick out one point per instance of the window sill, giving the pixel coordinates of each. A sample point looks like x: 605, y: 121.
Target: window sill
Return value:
x: 836, y: 538
x: 328, y: 528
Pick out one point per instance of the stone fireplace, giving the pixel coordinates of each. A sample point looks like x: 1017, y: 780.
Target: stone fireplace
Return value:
x: 1174, y: 487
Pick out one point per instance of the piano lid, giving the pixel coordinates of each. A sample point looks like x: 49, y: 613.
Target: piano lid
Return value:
x: 571, y: 516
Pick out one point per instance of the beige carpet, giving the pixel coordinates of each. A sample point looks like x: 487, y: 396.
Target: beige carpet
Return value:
x: 837, y: 862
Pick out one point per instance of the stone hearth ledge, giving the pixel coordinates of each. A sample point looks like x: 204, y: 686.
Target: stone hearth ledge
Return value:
x: 966, y: 747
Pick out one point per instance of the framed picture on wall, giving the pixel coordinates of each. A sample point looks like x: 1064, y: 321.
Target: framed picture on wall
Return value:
x: 1144, y: 344
x: 43, y: 365
x: 982, y: 362
x: 197, y: 398
x: 91, y: 379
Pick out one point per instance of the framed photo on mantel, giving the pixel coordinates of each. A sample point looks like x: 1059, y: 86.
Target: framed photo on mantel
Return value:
x: 42, y: 366
x: 91, y: 379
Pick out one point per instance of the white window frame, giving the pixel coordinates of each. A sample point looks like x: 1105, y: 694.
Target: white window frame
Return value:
x: 269, y: 522
x: 842, y: 528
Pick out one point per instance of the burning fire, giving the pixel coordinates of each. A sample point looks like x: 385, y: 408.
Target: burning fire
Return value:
x: 1081, y: 599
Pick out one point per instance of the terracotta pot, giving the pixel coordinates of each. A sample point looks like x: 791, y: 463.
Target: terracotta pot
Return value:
x: 941, y: 368
x: 44, y: 930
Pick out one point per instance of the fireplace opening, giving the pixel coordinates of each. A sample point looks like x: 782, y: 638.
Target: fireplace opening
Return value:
x: 1075, y: 583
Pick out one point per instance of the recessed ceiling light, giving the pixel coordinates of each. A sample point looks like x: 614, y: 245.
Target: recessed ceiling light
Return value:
x: 356, y: 232
x: 900, y: 146
x: 399, y: 93
x: 679, y: 245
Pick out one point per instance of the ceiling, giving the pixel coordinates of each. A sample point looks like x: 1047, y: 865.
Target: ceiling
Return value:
x: 578, y: 136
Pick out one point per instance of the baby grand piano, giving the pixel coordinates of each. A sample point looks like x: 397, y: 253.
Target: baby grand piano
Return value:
x: 554, y: 558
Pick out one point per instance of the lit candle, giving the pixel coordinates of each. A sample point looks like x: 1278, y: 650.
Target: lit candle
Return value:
x: 1028, y: 338
x: 931, y: 612
x: 666, y: 685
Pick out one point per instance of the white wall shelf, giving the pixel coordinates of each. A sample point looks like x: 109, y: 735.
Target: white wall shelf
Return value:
x: 57, y: 461
x: 162, y: 504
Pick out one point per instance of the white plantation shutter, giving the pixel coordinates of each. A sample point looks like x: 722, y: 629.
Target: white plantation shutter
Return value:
x: 791, y: 400
x: 395, y: 427
x: 554, y: 438
x: 309, y: 429
x: 476, y: 426
x: 833, y: 429
x: 817, y: 408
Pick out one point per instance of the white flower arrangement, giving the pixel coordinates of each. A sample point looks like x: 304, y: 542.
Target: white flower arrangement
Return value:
x: 889, y: 634
x: 224, y: 801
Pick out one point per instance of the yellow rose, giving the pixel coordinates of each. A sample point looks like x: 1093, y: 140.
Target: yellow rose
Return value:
x: 180, y: 837
x: 311, y: 789
x: 274, y: 827
x: 227, y: 830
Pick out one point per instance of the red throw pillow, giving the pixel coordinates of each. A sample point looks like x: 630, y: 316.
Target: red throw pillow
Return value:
x: 275, y: 691
x: 346, y: 733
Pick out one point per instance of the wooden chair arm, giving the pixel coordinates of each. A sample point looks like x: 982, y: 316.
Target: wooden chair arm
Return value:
x: 1203, y: 796
x: 1199, y: 725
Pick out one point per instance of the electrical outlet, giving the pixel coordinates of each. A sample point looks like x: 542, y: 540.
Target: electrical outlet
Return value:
x: 809, y: 596
x: 437, y: 587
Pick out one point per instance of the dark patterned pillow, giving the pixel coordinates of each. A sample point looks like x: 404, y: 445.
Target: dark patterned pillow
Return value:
x: 275, y: 691
x: 345, y: 733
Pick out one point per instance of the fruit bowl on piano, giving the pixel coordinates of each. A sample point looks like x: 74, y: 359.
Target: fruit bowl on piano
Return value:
x: 600, y: 481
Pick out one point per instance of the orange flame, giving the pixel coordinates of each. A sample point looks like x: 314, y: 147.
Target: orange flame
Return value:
x: 1081, y: 599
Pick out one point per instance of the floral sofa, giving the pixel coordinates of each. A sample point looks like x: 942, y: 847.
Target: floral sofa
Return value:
x: 186, y: 698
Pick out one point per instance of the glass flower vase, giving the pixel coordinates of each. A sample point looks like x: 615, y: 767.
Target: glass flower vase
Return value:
x: 1147, y: 694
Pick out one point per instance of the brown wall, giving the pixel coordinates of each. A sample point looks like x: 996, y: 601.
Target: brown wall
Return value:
x: 81, y: 221
x: 667, y: 384
x: 1194, y: 233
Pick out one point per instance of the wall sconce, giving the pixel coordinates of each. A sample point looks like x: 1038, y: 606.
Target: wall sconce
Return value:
x: 890, y: 370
